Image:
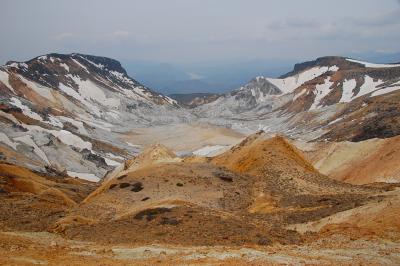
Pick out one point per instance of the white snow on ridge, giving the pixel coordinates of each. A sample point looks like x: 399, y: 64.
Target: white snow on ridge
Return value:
x: 68, y: 138
x: 122, y: 77
x: 65, y: 66
x: 111, y: 162
x: 4, y: 139
x: 385, y: 90
x: 208, y: 150
x: 321, y: 91
x: 4, y: 79
x: 372, y: 65
x: 299, y: 94
x: 27, y: 139
x: 113, y: 156
x: 25, y: 109
x: 84, y: 176
x: 95, y: 123
x: 170, y: 100
x: 79, y: 64
x: 40, y: 89
x: 71, y: 92
x: 335, y: 121
x: 90, y: 90
x: 101, y: 66
x: 369, y: 86
x: 77, y: 124
x: 55, y: 121
x: 348, y: 87
x: 289, y: 84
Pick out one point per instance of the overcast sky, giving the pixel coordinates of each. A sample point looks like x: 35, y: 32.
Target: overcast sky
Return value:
x: 188, y: 31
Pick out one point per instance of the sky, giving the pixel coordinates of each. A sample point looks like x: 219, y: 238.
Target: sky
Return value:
x: 188, y: 31
x: 198, y: 32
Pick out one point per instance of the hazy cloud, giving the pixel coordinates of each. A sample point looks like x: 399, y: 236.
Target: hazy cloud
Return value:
x: 198, y: 30
x: 121, y: 34
x: 63, y: 36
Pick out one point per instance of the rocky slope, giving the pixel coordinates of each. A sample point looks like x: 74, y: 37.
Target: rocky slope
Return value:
x: 363, y: 162
x: 265, y: 181
x: 193, y: 100
x: 261, y: 198
x: 67, y: 113
x: 331, y: 98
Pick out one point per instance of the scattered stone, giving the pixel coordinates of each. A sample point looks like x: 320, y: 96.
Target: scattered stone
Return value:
x: 121, y: 177
x: 264, y: 242
x: 168, y: 221
x: 138, y: 186
x: 124, y: 185
x: 224, y: 176
x: 150, y: 214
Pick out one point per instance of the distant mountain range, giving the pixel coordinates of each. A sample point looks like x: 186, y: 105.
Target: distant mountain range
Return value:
x: 333, y: 98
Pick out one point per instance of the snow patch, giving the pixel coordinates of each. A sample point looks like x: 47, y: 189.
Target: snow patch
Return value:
x: 111, y: 162
x: 79, y: 64
x: 55, y: 122
x: 40, y: 89
x: 335, y: 121
x: 90, y: 90
x: 113, y: 156
x: 4, y: 77
x: 68, y: 138
x: 208, y: 150
x: 348, y: 87
x: 71, y: 92
x: 84, y: 176
x: 385, y: 90
x: 321, y: 91
x: 28, y: 141
x: 101, y: 66
x: 289, y: 84
x: 25, y: 109
x: 78, y: 124
x: 65, y: 66
x: 4, y: 139
x: 369, y: 86
x: 299, y: 94
x: 372, y: 65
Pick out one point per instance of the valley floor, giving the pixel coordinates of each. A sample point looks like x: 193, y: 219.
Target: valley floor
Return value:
x: 183, y: 138
x: 260, y: 202
x: 22, y: 248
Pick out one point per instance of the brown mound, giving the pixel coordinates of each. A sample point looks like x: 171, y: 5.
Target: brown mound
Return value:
x: 29, y: 201
x: 256, y: 152
x: 375, y: 160
x: 261, y: 185
x: 153, y: 154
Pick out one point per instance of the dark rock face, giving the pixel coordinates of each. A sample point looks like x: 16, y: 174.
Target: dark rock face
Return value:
x: 151, y: 214
x: 341, y: 62
x: 136, y: 187
x: 48, y: 71
x: 108, y: 63
x: 258, y: 87
x: 124, y: 185
x: 194, y: 100
x: 98, y: 160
